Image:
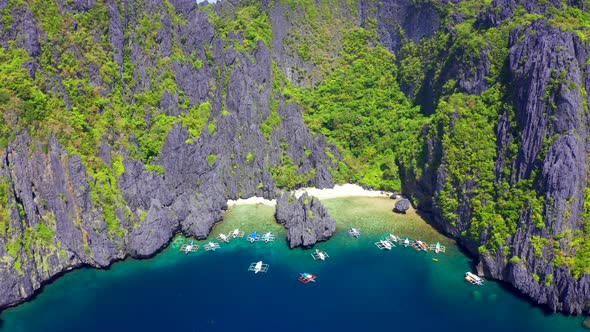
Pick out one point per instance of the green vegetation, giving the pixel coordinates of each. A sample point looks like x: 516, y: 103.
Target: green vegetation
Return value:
x: 107, y: 197
x: 361, y: 108
x: 13, y: 247
x: 4, y: 207
x: 548, y: 280
x: 249, y: 157
x: 249, y: 19
x: 196, y: 118
x: 211, y: 159
x: 118, y: 166
x: 18, y: 265
x: 514, y: 260
x: 539, y: 244
x: 44, y: 233
x: 211, y: 128
x: 287, y: 175
x: 581, y: 242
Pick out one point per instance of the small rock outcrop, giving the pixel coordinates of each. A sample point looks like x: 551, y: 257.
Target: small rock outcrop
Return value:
x: 306, y: 220
x: 402, y: 206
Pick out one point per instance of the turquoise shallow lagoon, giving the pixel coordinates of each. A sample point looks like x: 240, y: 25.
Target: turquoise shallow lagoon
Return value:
x: 359, y: 288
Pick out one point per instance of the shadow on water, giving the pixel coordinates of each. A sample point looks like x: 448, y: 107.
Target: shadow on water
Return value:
x: 214, y: 292
x: 429, y: 219
x: 80, y: 267
x: 509, y: 288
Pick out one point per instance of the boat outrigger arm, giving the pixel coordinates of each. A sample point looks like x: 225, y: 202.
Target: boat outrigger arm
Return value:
x: 321, y: 255
x: 189, y: 247
x: 258, y: 267
x: 211, y: 246
x: 354, y: 232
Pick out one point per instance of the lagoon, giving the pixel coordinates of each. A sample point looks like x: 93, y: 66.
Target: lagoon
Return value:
x: 359, y: 288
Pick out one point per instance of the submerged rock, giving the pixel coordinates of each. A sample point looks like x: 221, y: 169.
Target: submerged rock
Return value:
x: 402, y: 205
x: 306, y: 220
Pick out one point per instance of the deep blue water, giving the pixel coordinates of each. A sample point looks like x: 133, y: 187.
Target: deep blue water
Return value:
x: 358, y: 289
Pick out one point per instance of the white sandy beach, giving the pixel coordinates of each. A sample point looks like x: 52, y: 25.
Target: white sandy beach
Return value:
x: 345, y: 190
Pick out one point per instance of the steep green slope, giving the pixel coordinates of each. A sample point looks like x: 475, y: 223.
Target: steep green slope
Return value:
x: 361, y: 108
x: 496, y: 151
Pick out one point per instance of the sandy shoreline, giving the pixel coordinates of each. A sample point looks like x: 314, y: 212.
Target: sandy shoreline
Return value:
x: 339, y: 191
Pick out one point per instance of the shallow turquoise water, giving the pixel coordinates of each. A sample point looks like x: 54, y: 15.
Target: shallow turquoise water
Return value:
x: 358, y: 288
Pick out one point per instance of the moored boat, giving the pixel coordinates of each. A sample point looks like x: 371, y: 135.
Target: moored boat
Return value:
x: 258, y: 267
x: 473, y: 279
x: 386, y: 244
x: 306, y: 277
x: 422, y: 245
x: 354, y: 232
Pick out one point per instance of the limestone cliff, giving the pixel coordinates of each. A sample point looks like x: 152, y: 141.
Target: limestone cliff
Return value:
x: 306, y: 219
x: 65, y: 210
x: 538, y: 169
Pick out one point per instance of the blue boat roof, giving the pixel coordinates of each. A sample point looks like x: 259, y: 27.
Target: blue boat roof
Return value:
x: 253, y: 234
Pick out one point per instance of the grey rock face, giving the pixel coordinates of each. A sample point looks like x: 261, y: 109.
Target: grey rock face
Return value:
x: 306, y: 220
x: 404, y: 19
x: 550, y: 112
x: 116, y: 33
x: 402, y: 205
x: 80, y: 5
x: 547, y: 69
x: 500, y: 10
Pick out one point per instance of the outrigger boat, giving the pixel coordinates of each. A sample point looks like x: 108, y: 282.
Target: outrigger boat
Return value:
x: 253, y: 237
x: 473, y: 279
x: 393, y: 238
x: 236, y: 233
x: 406, y: 242
x: 354, y: 232
x: 384, y: 244
x: 306, y: 277
x: 321, y: 255
x: 189, y: 247
x: 211, y: 246
x: 437, y: 248
x: 421, y: 245
x: 268, y: 237
x: 223, y: 237
x: 258, y: 267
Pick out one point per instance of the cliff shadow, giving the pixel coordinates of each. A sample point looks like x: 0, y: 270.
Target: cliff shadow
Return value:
x: 523, y: 297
